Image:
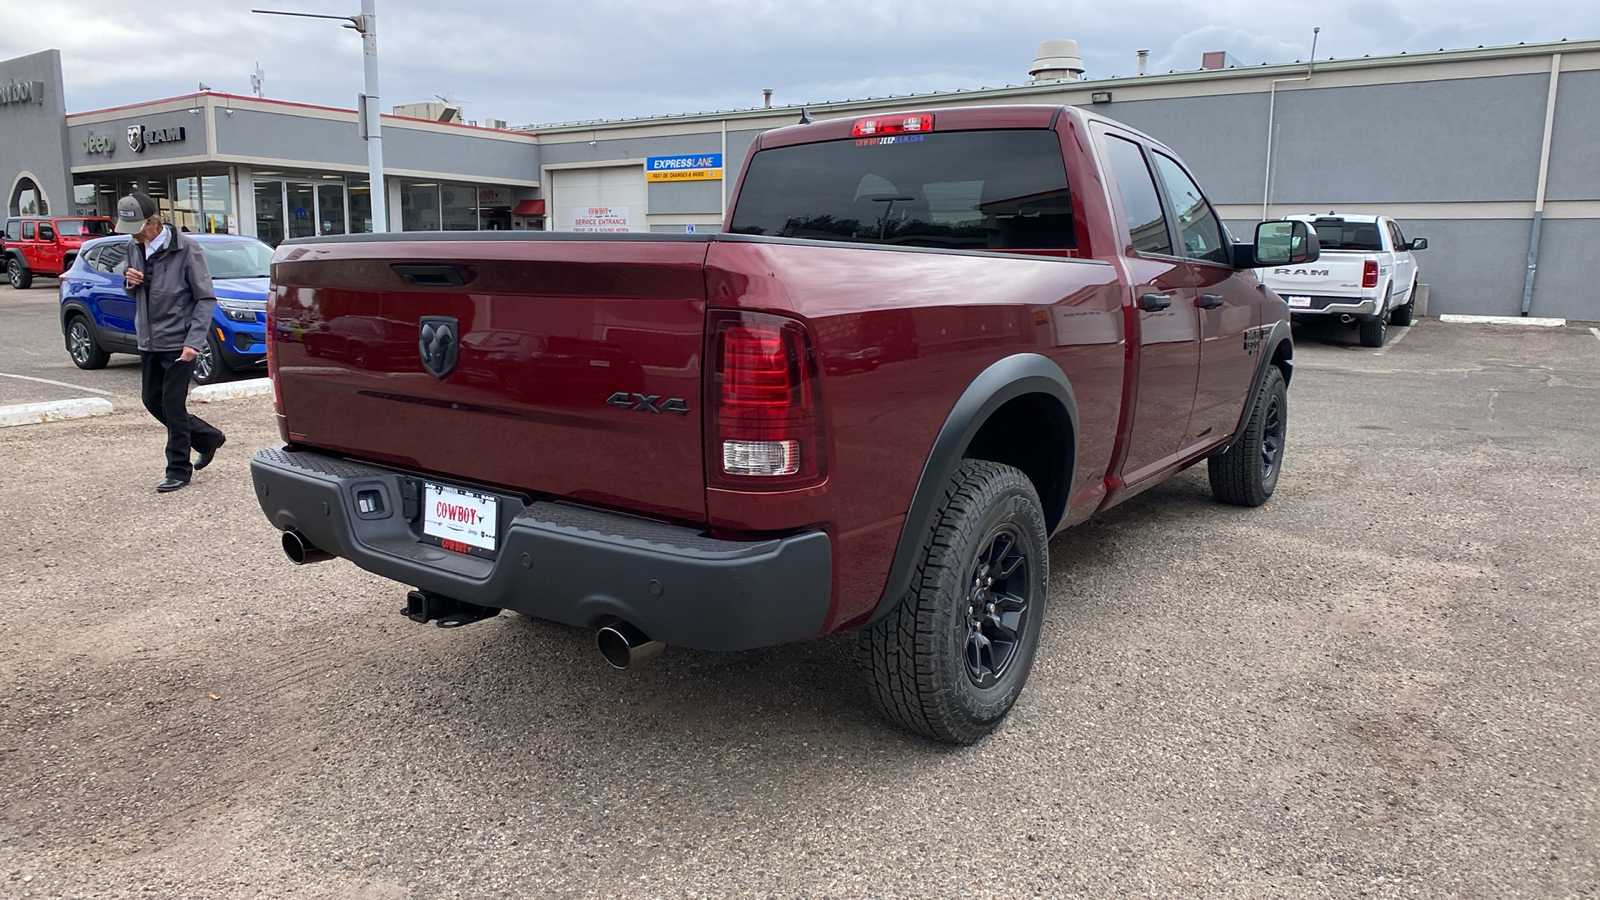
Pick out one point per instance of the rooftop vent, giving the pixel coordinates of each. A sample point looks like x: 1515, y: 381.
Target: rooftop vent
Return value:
x: 1217, y: 59
x: 1056, y: 60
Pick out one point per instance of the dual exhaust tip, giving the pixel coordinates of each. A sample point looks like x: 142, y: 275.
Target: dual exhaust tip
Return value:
x: 622, y: 644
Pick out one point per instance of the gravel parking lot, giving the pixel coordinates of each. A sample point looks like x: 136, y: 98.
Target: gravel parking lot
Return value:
x: 1385, y: 683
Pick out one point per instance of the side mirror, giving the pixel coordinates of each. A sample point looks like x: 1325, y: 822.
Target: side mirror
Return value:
x: 1285, y: 244
x: 1418, y: 244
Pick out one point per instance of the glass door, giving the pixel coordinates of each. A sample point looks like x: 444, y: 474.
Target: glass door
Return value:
x: 330, y: 208
x: 301, y: 203
x: 269, y: 212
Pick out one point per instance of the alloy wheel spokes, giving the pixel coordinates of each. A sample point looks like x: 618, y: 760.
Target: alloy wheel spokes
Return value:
x: 997, y: 608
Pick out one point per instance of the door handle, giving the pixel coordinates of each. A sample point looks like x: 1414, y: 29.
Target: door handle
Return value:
x: 1153, y: 302
x: 1210, y: 301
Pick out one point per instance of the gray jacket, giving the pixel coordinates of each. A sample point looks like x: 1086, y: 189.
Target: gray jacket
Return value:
x: 175, y: 300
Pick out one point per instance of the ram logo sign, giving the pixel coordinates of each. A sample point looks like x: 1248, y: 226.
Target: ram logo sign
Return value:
x: 1322, y: 272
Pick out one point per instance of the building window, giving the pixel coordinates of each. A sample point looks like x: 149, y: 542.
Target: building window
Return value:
x: 458, y: 206
x: 28, y: 200
x: 419, y: 206
x: 216, y: 204
x: 360, y: 206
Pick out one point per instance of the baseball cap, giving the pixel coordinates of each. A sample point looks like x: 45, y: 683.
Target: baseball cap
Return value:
x: 133, y: 211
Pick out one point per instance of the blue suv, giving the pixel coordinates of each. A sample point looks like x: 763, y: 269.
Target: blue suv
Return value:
x: 97, y: 315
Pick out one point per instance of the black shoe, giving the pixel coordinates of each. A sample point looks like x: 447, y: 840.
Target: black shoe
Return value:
x: 168, y: 485
x: 204, y: 459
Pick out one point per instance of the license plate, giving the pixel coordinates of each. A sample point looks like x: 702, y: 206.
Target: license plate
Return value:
x: 1299, y: 302
x: 464, y: 521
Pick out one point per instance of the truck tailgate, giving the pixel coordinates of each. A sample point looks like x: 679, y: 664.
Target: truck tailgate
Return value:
x: 527, y: 340
x: 1334, y: 274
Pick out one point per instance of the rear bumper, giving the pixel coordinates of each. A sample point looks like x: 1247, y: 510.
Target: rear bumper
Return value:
x: 576, y: 566
x: 1333, y: 306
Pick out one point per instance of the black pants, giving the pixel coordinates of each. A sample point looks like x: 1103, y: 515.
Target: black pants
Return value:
x: 166, y: 394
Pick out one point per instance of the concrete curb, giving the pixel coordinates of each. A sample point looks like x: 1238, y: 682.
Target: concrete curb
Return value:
x: 1503, y: 320
x: 54, y: 411
x: 231, y: 390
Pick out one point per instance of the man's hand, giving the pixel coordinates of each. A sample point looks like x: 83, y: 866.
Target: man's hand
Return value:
x: 133, y: 277
x: 188, y: 354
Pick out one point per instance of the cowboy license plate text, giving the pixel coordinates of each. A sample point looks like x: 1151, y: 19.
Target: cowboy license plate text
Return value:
x: 460, y: 519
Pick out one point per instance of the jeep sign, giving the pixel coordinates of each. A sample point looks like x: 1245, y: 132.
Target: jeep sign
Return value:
x: 99, y: 143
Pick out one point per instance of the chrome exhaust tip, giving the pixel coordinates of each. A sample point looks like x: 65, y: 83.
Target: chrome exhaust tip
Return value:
x: 624, y: 645
x: 1347, y: 318
x: 302, y: 552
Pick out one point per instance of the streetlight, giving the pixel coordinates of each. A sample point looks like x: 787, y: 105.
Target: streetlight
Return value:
x: 370, y: 113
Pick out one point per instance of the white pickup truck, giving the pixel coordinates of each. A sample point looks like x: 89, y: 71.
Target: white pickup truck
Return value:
x: 1366, y: 276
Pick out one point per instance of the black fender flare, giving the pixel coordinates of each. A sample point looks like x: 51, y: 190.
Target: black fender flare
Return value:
x: 78, y: 308
x: 14, y: 253
x: 1003, y: 381
x: 1279, y: 335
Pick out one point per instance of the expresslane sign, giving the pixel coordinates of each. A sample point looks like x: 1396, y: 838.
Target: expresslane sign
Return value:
x: 690, y: 167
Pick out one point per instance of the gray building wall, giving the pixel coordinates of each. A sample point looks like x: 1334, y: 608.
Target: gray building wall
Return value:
x: 33, y: 134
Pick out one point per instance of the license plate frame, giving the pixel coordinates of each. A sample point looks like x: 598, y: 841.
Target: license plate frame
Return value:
x: 1298, y: 302
x: 461, y: 520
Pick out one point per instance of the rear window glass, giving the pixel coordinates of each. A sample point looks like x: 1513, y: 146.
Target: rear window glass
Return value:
x: 1337, y: 234
x: 237, y: 259
x: 84, y: 227
x: 962, y: 190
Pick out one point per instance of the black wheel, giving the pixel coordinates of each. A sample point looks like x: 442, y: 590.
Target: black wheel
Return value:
x: 1374, y: 330
x: 81, y: 345
x: 1246, y: 473
x: 209, y: 367
x: 951, y: 659
x: 1401, y: 317
x: 21, y: 276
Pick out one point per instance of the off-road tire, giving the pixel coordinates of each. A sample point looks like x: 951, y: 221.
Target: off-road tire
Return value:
x: 209, y: 366
x: 935, y: 664
x: 1247, y: 472
x: 1401, y: 317
x: 1375, y: 329
x: 21, y: 276
x: 81, y: 345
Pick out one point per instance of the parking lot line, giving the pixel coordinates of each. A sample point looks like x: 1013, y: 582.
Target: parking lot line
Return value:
x: 76, y: 387
x: 1595, y: 332
x: 1397, y: 339
x: 54, y: 411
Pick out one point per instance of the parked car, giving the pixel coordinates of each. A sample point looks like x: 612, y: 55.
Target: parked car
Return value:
x: 42, y: 245
x: 922, y: 344
x: 1366, y: 276
x: 97, y: 314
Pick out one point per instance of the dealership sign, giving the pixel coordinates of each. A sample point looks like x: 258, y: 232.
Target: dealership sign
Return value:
x: 601, y: 219
x: 99, y: 143
x: 21, y: 92
x: 140, y: 137
x: 690, y: 167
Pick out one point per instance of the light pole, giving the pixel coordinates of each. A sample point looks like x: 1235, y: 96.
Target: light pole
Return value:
x: 370, y: 112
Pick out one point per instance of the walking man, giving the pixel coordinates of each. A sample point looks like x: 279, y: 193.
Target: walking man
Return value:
x: 171, y: 288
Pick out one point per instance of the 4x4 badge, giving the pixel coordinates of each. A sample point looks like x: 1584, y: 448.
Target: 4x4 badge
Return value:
x: 648, y: 403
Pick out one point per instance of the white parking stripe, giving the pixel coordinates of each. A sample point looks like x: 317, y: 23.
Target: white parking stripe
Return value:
x: 56, y: 411
x: 1397, y: 339
x: 76, y: 387
x: 1595, y: 332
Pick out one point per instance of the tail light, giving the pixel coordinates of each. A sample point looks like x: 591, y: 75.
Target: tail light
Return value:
x: 764, y: 418
x: 272, y: 362
x: 1369, y: 274
x: 892, y: 125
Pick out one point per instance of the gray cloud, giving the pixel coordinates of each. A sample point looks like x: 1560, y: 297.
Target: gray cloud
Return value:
x: 542, y: 62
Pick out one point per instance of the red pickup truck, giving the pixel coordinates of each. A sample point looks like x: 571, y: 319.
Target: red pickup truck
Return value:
x: 923, y: 344
x: 46, y: 246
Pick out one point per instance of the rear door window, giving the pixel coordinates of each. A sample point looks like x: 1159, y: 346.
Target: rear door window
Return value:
x: 27, y: 231
x: 1202, y: 235
x: 963, y: 190
x: 1147, y: 223
x: 112, y: 256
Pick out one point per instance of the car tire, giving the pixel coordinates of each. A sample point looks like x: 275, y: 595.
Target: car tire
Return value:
x: 21, y: 276
x: 1401, y: 317
x: 951, y: 659
x: 1375, y: 329
x: 1247, y: 472
x: 209, y: 366
x: 85, y: 351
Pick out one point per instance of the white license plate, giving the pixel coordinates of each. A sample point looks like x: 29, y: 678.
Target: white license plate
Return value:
x: 459, y: 517
x: 1299, y: 302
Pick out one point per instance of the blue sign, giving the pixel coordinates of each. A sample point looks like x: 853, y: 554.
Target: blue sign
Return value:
x: 689, y: 167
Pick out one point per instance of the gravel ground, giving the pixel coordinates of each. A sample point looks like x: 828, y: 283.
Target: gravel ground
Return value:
x: 1382, y: 684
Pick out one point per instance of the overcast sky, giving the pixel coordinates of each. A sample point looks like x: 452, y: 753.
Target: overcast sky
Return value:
x: 539, y: 62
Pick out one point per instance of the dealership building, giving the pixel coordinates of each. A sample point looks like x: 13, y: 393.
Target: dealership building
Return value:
x: 1493, y: 154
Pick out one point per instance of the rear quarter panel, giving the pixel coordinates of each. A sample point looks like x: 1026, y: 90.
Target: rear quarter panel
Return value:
x: 899, y: 335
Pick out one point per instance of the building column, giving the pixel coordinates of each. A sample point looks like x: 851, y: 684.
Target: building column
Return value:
x: 244, y: 198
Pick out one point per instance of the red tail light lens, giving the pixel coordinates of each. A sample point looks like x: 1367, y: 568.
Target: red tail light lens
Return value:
x: 764, y: 419
x: 1369, y: 274
x: 892, y: 125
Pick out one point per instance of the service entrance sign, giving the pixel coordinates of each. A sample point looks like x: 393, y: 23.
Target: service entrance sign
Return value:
x: 601, y: 219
